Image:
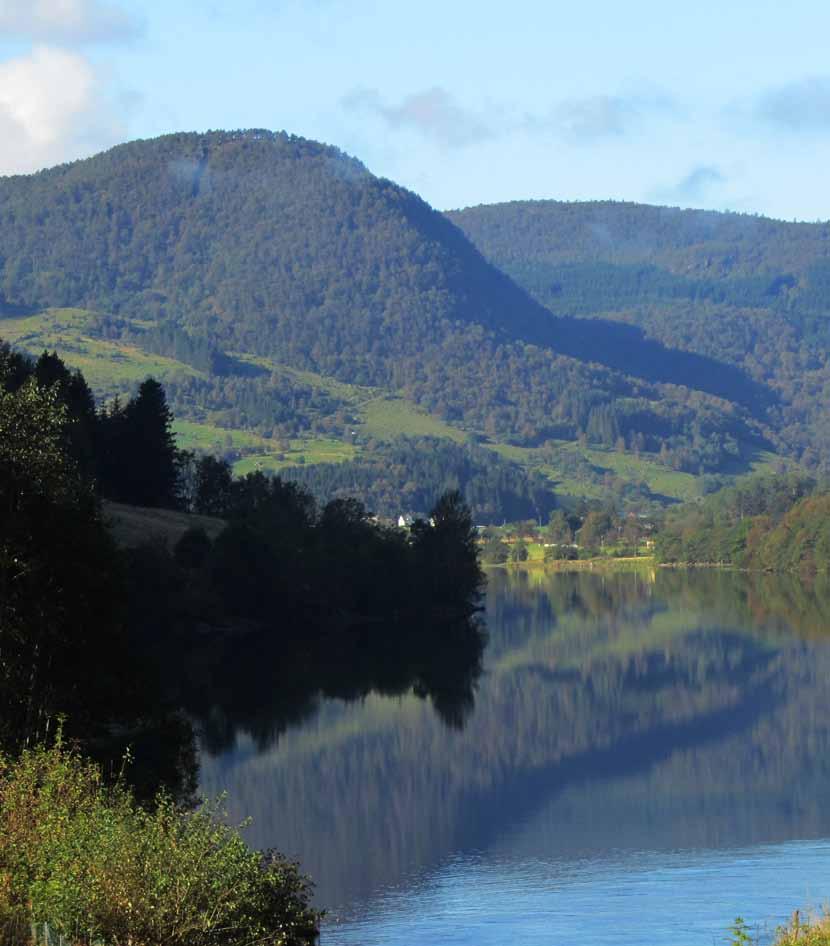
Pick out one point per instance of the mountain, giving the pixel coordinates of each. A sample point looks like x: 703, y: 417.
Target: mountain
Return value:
x: 284, y: 292
x: 744, y: 291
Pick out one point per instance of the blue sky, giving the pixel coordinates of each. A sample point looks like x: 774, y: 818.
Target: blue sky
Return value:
x: 711, y: 104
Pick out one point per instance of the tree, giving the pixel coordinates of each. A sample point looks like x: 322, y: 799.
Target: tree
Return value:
x: 59, y: 586
x: 594, y: 529
x: 495, y: 551
x: 212, y: 491
x: 139, y: 462
x: 518, y: 551
x: 446, y: 552
x: 149, y: 424
x: 558, y: 530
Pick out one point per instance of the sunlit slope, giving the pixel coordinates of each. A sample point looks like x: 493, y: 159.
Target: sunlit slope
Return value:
x: 110, y: 367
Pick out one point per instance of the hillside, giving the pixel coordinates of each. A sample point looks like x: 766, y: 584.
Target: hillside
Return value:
x: 743, y: 291
x: 289, y: 298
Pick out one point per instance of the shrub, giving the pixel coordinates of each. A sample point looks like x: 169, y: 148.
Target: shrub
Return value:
x: 85, y: 858
x: 193, y: 548
x: 560, y: 553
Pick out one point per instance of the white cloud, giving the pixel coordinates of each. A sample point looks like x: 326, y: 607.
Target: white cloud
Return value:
x: 66, y: 21
x: 51, y: 110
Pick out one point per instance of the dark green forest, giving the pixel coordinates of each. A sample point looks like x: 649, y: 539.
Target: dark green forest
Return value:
x: 253, y: 242
x: 406, y: 475
x: 740, y: 298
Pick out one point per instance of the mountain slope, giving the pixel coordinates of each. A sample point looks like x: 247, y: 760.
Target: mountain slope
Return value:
x: 251, y: 255
x: 739, y: 290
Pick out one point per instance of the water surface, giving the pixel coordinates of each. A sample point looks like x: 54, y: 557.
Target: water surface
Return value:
x: 646, y: 758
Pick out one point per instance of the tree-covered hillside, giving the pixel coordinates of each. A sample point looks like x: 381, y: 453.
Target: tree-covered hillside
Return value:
x: 222, y: 248
x: 768, y: 523
x: 407, y: 475
x: 736, y: 291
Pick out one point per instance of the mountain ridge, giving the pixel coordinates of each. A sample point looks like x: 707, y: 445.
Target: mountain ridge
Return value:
x: 246, y: 253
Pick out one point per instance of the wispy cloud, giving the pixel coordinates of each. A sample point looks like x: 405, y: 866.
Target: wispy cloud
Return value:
x: 606, y: 116
x: 438, y: 116
x: 67, y: 22
x: 51, y: 110
x: 696, y: 188
x: 433, y: 113
x: 802, y: 106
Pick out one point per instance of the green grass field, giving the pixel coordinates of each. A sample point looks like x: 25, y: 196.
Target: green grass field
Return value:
x: 645, y: 468
x: 260, y: 453
x: 389, y: 416
x: 302, y: 451
x: 192, y: 435
x: 110, y: 368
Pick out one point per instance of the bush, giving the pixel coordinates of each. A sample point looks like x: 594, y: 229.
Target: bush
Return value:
x: 83, y: 857
x: 560, y: 553
x: 193, y: 548
x: 495, y: 552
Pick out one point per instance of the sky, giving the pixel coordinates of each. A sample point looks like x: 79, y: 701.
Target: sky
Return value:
x: 722, y: 104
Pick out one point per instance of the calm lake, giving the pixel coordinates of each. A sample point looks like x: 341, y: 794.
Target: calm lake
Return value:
x: 646, y: 758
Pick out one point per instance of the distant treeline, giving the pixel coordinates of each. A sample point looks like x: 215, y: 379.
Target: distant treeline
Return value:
x: 408, y: 474
x: 777, y: 523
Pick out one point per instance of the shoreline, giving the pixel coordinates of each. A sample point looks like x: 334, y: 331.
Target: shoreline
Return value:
x: 632, y: 563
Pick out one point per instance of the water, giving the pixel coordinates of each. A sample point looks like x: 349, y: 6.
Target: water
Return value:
x: 646, y: 759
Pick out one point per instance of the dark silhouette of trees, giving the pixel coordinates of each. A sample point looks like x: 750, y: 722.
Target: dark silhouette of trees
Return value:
x: 59, y: 588
x: 139, y: 461
x: 446, y: 553
x: 213, y: 486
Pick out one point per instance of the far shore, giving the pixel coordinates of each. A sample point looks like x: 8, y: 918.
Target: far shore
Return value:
x: 629, y: 563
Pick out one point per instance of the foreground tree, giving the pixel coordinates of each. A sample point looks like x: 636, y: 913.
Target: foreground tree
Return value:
x: 58, y: 592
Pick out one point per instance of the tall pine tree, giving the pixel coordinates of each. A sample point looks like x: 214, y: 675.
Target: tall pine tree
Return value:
x: 140, y: 461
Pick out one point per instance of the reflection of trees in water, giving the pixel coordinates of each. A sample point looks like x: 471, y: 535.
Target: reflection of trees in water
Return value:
x: 588, y: 678
x: 248, y: 686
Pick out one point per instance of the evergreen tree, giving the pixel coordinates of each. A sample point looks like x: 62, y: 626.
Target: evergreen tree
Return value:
x: 139, y: 462
x: 446, y: 549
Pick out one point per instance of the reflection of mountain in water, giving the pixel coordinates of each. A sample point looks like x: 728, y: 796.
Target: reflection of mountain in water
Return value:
x: 677, y: 711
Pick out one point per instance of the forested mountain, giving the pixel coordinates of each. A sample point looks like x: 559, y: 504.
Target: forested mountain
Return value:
x: 227, y: 247
x: 746, y: 292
